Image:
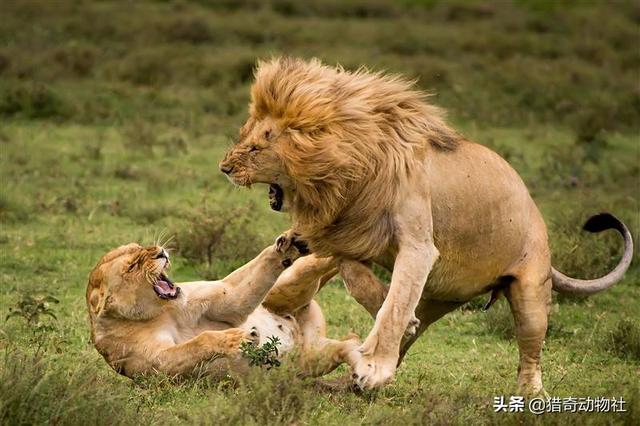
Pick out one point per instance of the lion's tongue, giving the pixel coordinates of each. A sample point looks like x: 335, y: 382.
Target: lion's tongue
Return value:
x: 165, y: 289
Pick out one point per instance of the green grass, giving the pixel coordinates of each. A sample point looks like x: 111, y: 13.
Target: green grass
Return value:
x: 111, y: 128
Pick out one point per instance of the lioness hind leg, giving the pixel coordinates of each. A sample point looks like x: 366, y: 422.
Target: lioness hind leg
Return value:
x: 319, y: 354
x: 185, y: 358
x: 530, y: 301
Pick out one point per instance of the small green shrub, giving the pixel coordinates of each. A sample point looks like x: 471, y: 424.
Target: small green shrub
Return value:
x: 32, y: 309
x: 32, y: 100
x: 218, y: 240
x: 37, y: 311
x: 265, y: 355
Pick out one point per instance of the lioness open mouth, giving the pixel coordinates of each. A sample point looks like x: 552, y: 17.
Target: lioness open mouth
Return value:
x: 164, y: 288
x: 276, y: 197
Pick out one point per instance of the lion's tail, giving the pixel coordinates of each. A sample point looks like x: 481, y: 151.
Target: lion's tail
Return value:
x: 598, y: 223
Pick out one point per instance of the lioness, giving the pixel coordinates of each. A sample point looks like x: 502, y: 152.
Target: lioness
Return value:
x: 371, y: 172
x: 141, y: 322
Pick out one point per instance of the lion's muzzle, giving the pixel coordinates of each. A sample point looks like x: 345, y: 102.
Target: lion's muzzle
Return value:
x: 225, y: 167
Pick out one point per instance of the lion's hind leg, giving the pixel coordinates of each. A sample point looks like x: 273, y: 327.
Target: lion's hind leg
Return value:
x: 529, y: 297
x: 365, y: 287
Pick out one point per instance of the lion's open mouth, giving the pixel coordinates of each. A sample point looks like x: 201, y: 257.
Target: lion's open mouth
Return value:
x: 164, y: 288
x: 276, y: 197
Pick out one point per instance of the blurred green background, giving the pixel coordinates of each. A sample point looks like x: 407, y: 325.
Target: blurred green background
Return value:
x: 114, y: 115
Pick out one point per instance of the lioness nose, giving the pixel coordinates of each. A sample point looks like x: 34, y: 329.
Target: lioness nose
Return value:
x: 225, y: 168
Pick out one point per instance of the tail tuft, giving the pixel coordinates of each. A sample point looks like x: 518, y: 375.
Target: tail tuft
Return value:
x: 602, y: 222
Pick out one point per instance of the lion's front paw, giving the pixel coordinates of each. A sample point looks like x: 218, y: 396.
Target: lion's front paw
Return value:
x: 412, y: 328
x: 371, y: 371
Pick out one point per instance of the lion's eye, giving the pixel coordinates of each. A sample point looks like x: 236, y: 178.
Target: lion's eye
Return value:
x: 267, y: 134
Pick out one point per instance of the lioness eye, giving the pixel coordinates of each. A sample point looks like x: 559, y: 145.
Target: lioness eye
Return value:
x: 267, y: 134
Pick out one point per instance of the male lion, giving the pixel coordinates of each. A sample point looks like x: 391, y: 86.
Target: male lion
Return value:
x: 141, y: 322
x: 371, y: 172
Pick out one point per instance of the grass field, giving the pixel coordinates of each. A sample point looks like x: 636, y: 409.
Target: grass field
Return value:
x: 113, y: 117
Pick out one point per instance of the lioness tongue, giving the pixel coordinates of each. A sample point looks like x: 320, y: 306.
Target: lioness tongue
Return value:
x: 165, y: 288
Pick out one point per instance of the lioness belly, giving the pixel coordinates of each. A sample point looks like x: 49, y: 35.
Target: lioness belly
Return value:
x: 482, y: 215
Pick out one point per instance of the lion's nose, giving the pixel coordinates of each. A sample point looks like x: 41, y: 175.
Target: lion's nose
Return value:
x: 225, y: 168
x: 162, y: 255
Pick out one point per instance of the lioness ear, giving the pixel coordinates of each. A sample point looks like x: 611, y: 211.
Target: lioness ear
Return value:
x: 95, y: 298
x: 134, y: 263
x: 95, y: 291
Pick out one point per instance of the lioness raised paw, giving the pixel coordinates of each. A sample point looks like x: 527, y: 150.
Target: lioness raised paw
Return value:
x: 290, y: 247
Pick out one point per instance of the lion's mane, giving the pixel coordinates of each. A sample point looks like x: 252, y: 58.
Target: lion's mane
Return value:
x: 355, y: 138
